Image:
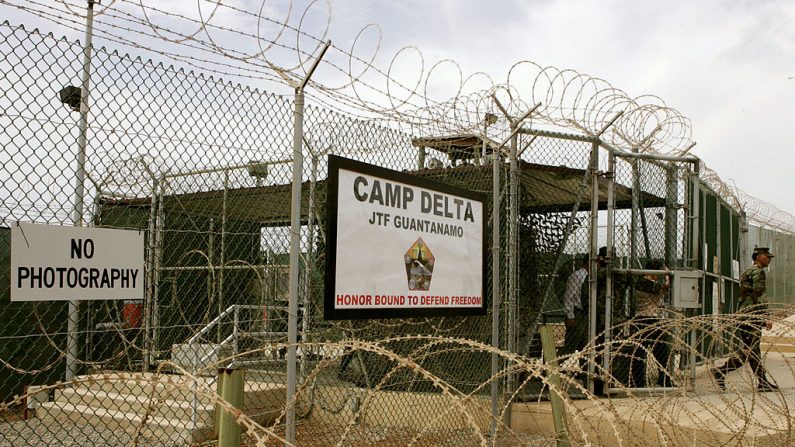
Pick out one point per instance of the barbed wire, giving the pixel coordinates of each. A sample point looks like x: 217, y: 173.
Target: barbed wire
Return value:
x: 569, y: 99
x: 669, y: 416
x: 370, y: 106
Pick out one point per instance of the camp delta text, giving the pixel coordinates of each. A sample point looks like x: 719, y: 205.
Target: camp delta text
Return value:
x: 400, y: 196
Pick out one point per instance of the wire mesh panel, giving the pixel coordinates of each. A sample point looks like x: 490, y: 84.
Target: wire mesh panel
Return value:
x: 651, y: 235
x: 554, y: 223
x: 180, y: 157
x: 202, y: 169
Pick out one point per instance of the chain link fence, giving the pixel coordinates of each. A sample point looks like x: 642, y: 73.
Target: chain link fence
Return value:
x: 203, y: 168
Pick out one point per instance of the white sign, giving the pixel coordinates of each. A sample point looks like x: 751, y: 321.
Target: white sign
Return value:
x: 76, y: 263
x: 402, y: 246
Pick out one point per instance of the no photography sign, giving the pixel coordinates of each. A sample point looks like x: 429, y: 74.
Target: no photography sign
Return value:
x: 59, y: 263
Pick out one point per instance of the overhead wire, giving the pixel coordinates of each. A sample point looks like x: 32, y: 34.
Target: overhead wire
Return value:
x: 569, y: 99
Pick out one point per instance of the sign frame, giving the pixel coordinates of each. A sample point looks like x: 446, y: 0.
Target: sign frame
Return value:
x: 330, y: 312
x: 76, y: 263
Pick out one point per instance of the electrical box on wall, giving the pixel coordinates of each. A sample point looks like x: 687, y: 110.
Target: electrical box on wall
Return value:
x: 686, y: 287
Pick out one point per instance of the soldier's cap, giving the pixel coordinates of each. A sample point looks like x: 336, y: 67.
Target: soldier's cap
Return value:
x: 761, y: 251
x: 602, y: 252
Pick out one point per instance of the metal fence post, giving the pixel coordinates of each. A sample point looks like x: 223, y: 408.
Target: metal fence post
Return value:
x: 236, y: 331
x: 671, y: 221
x: 495, y: 250
x: 609, y: 297
x: 633, y: 225
x: 555, y: 387
x: 295, y: 249
x: 593, y: 295
x: 80, y: 173
x: 230, y: 388
x: 719, y: 255
x: 158, y: 258
x: 150, y: 272
x: 310, y: 263
x: 222, y: 260
x: 513, y: 252
x: 698, y: 237
x: 295, y: 246
x: 790, y: 265
x: 695, y: 220
x: 495, y: 287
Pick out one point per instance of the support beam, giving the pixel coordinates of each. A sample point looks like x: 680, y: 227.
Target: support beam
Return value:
x: 671, y: 218
x: 495, y: 257
x: 609, y: 298
x: 230, y: 388
x: 295, y: 248
x: 555, y: 387
x: 593, y: 295
x: 80, y: 173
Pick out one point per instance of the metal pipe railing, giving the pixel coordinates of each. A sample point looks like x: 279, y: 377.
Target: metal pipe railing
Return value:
x: 211, y: 324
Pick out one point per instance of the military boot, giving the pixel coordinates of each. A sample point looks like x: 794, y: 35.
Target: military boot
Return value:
x: 720, y: 378
x: 765, y: 386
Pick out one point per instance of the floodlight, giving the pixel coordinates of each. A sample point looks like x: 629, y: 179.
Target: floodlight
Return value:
x: 71, y: 96
x: 257, y: 169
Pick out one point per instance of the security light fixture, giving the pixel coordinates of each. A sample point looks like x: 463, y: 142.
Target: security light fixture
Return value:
x: 71, y: 95
x: 435, y: 163
x: 257, y: 169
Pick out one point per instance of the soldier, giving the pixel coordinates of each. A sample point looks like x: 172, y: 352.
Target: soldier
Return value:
x: 753, y: 315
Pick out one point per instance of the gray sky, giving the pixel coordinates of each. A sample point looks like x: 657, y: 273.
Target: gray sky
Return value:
x: 729, y: 66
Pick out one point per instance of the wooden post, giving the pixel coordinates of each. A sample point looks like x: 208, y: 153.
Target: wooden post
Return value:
x: 230, y: 388
x: 558, y: 410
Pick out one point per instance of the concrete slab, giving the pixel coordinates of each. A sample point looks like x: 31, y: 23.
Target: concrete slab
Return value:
x: 174, y: 406
x: 138, y: 404
x: 157, y: 428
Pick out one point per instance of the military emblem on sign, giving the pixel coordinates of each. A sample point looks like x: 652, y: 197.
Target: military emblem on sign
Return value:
x: 419, y: 265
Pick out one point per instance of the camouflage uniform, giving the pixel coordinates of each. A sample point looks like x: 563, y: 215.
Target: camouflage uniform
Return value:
x: 752, y: 314
x: 753, y: 298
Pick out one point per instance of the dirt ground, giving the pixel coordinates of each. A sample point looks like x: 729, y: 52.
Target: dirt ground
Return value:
x: 324, y: 435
